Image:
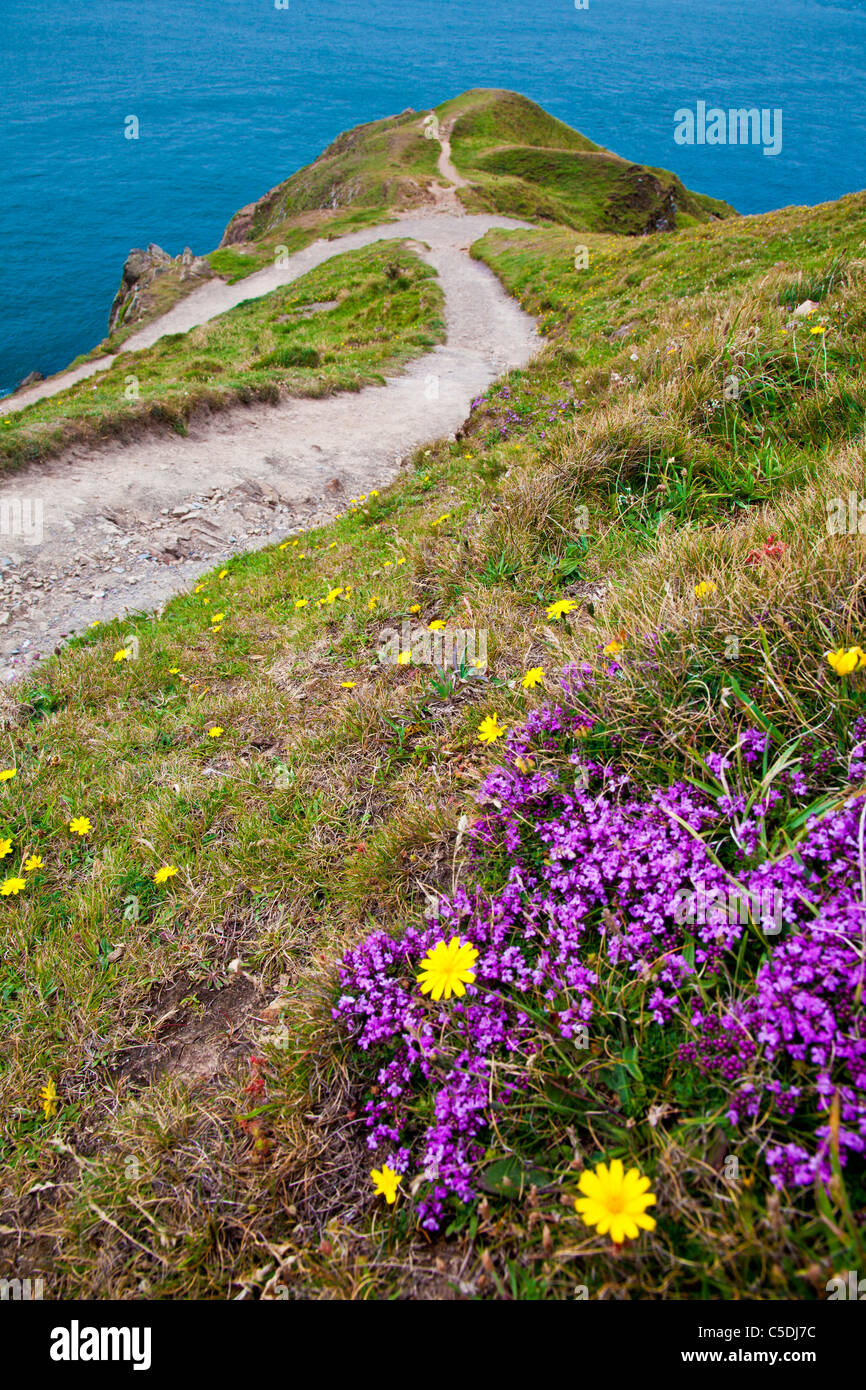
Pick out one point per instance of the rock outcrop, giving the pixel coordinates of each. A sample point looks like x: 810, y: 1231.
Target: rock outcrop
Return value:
x: 142, y: 268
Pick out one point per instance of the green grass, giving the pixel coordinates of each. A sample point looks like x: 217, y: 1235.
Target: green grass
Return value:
x: 389, y: 310
x: 612, y: 470
x: 522, y: 161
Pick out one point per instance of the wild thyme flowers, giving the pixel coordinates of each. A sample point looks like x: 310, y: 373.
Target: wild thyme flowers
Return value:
x: 764, y: 982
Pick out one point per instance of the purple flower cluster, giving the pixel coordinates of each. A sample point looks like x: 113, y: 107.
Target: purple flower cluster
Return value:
x: 592, y: 868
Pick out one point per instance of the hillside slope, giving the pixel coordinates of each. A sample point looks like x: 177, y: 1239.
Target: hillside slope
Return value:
x: 230, y: 850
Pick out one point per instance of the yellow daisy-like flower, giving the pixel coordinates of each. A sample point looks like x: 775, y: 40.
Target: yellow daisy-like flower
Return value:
x: 489, y: 730
x: 613, y: 648
x: 533, y: 677
x: 416, y: 608
x: 447, y: 969
x: 561, y: 607
x: 215, y: 731
x: 48, y: 1100
x: 374, y: 492
x: 11, y: 887
x: 437, y: 625
x: 166, y: 872
x: 222, y: 574
x: 347, y: 685
x: 198, y: 588
x: 334, y: 594
x: 174, y: 670
x: 332, y: 545
x: 386, y: 1182
x: 5, y: 848
x: 404, y: 658
x: 705, y: 588
x: 439, y: 520
x: 217, y: 617
x: 844, y: 662
x: 301, y: 602
x: 817, y: 329
x: 96, y: 623
x: 401, y: 561
x: 80, y: 825
x: 285, y: 545
x: 7, y: 774
x: 615, y: 1202
x: 34, y: 862
x: 123, y: 655
x: 371, y: 602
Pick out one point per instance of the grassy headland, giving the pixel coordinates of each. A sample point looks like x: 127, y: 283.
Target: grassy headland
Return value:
x: 639, y: 519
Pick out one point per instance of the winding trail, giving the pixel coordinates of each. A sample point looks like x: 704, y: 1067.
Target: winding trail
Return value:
x: 126, y: 525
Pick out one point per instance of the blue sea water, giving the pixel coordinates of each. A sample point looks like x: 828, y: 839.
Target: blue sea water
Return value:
x: 233, y: 95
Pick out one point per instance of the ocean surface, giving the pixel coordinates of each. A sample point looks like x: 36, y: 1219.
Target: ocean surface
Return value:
x: 232, y: 96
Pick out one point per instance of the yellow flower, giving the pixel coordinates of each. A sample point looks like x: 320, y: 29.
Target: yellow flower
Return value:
x: 614, y: 1201
x: 334, y: 593
x: 401, y: 561
x: 439, y: 520
x: 166, y: 872
x: 534, y: 676
x: 11, y: 887
x: 198, y: 588
x: 347, y: 685
x: 562, y: 606
x: 705, y: 588
x: 34, y: 862
x: 123, y: 655
x: 447, y: 969
x: 374, y: 493
x: 96, y: 623
x: 7, y: 774
x: 5, y: 848
x: 222, y: 574
x: 301, y: 602
x: 437, y: 625
x: 489, y: 730
x: 371, y: 604
x: 48, y: 1100
x: 331, y: 546
x: 217, y: 617
x: 386, y: 1182
x: 817, y: 330
x: 416, y: 608
x: 613, y: 648
x: 174, y: 670
x: 844, y: 662
x: 404, y: 658
x: 285, y: 545
x: 215, y: 731
x: 80, y: 825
